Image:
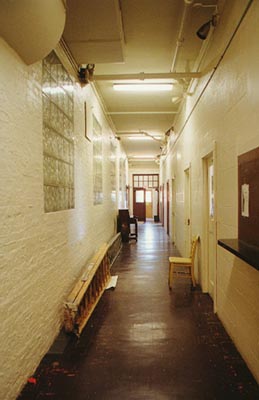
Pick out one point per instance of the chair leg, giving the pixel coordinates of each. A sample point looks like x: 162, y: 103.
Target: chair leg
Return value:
x: 193, y: 279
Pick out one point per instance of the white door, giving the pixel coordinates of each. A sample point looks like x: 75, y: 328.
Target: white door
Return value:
x: 211, y: 253
x: 173, y: 212
x: 187, y: 210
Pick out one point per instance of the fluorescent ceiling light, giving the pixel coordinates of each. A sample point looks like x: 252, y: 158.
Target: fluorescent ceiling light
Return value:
x: 143, y: 87
x: 144, y: 157
x: 143, y: 138
x: 139, y: 138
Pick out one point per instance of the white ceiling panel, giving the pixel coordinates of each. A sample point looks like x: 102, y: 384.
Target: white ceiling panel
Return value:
x: 93, y: 31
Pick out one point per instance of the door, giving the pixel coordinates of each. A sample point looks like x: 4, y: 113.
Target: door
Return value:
x: 162, y: 203
x: 173, y: 229
x: 187, y: 210
x: 139, y: 204
x: 210, y: 226
x: 156, y: 204
x: 149, y: 204
x: 167, y: 207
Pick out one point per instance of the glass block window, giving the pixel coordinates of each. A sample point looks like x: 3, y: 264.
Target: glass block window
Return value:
x: 122, y: 174
x: 58, y: 127
x: 122, y: 182
x: 113, y: 149
x: 97, y: 162
x: 146, y: 181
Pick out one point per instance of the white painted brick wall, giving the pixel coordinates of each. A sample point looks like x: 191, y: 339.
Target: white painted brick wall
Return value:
x: 227, y: 114
x: 41, y: 255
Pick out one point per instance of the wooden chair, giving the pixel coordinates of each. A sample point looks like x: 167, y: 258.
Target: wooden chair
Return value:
x: 183, y: 267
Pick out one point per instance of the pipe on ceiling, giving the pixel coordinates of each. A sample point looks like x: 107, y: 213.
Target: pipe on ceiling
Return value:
x: 243, y: 15
x: 142, y: 76
x: 180, y: 38
x: 140, y: 112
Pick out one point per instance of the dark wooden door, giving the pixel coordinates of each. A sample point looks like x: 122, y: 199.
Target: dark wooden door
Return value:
x: 139, y: 204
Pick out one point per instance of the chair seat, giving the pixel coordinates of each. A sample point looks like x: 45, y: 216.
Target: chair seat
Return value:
x: 180, y: 260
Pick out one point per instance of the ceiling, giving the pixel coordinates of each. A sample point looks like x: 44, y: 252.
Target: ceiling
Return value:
x: 138, y: 41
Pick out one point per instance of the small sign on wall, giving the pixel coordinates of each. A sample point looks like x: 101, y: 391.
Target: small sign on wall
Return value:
x: 245, y: 200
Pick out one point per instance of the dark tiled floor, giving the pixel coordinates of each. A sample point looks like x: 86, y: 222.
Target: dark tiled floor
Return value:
x: 145, y: 342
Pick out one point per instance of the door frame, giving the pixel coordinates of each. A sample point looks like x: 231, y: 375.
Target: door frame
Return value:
x: 205, y: 248
x: 187, y: 210
x: 173, y: 211
x: 162, y: 191
x: 168, y: 207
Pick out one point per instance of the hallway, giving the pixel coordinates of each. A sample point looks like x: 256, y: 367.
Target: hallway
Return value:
x: 144, y: 342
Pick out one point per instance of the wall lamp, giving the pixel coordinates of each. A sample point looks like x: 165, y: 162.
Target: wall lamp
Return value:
x: 203, y: 31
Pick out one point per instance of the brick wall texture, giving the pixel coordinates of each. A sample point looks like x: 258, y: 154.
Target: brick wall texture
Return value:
x: 41, y: 255
x: 223, y: 123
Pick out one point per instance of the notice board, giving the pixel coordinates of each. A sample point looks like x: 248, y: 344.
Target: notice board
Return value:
x: 248, y: 192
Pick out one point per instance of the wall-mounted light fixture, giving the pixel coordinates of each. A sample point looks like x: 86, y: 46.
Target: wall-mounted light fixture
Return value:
x: 143, y: 87
x: 86, y: 73
x: 203, y: 31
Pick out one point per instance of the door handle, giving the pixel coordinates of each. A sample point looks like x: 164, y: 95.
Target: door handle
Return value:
x: 188, y: 222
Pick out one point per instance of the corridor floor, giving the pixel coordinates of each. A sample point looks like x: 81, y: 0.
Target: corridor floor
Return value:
x: 144, y: 342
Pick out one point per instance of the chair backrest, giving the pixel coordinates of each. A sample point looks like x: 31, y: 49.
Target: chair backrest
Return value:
x: 194, y: 246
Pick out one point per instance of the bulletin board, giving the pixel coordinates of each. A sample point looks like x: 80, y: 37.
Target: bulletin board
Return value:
x: 248, y: 191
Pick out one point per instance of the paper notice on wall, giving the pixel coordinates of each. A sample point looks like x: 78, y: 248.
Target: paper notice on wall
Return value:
x: 112, y: 282
x: 245, y: 200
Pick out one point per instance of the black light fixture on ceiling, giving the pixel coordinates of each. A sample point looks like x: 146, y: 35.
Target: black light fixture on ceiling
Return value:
x: 203, y: 31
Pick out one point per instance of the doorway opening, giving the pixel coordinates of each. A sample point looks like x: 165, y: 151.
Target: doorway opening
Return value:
x: 209, y: 223
x: 145, y: 196
x: 149, y: 204
x: 187, y: 210
x: 173, y: 220
x: 167, y: 207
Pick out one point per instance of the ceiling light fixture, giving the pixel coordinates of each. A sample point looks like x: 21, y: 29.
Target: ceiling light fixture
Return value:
x: 139, y: 138
x: 149, y: 157
x: 143, y: 87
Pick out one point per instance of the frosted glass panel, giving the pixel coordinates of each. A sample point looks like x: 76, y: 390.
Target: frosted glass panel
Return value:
x: 113, y: 149
x: 97, y: 162
x: 140, y: 196
x: 148, y: 197
x: 211, y: 191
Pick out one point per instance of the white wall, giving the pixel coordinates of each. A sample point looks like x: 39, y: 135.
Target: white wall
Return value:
x: 225, y: 118
x: 41, y: 254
